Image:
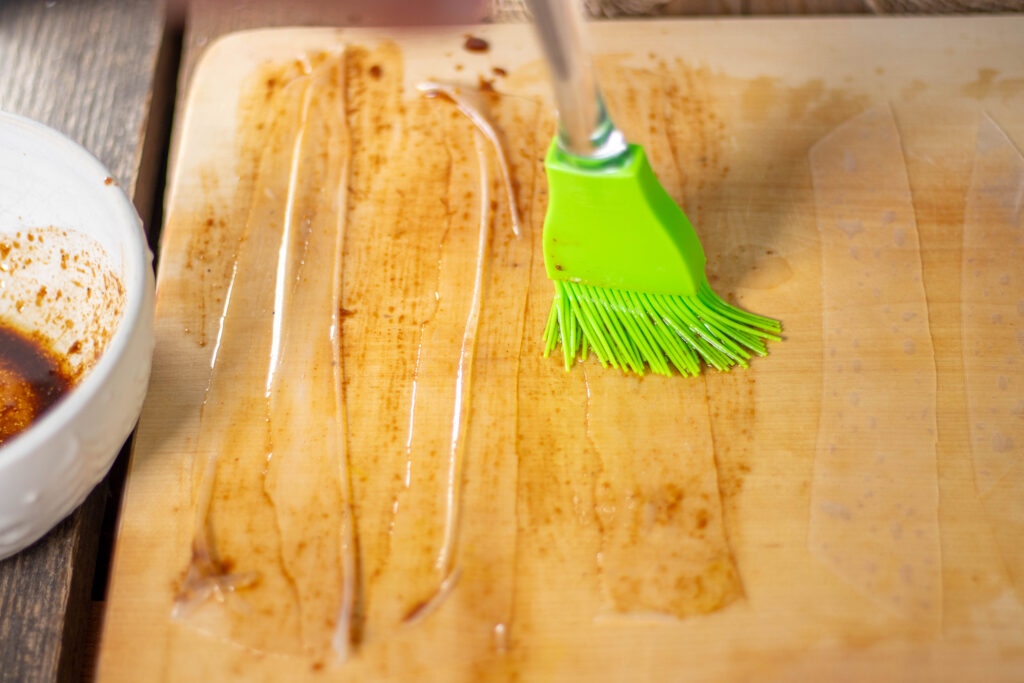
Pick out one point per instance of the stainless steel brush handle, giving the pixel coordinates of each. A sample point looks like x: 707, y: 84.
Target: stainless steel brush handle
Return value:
x: 584, y: 128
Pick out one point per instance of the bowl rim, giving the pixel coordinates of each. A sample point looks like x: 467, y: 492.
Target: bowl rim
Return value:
x: 137, y: 259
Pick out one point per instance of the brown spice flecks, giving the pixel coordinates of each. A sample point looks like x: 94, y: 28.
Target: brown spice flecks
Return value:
x: 474, y: 44
x: 498, y: 71
x: 376, y: 71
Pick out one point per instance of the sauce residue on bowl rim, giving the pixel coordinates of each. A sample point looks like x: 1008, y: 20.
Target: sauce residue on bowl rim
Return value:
x: 61, y: 302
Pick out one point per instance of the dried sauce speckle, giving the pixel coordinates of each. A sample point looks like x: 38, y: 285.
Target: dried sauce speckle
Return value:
x: 53, y: 281
x: 475, y: 44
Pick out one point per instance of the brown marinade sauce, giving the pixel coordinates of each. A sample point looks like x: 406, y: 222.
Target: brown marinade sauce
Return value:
x: 32, y: 379
x: 475, y: 44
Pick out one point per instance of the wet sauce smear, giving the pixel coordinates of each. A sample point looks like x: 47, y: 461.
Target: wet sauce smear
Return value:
x: 663, y: 547
x: 272, y: 525
x: 992, y: 308
x: 322, y: 281
x: 32, y: 379
x: 874, y: 499
x: 384, y: 458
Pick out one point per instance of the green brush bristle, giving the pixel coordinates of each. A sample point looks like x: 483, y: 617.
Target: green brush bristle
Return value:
x: 616, y: 229
x: 629, y: 330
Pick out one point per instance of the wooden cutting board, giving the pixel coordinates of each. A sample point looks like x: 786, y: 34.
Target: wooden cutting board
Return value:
x: 353, y: 445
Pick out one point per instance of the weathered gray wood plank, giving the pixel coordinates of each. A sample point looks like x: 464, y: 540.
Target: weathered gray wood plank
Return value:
x: 85, y: 68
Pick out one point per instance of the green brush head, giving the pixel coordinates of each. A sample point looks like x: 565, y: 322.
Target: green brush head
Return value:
x: 613, y: 225
x: 629, y: 274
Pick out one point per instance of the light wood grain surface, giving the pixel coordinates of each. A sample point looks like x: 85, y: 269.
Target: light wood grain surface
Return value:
x: 865, y: 555
x: 86, y: 69
x: 208, y: 19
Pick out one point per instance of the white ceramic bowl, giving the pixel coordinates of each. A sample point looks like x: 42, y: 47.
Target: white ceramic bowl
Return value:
x: 47, y: 470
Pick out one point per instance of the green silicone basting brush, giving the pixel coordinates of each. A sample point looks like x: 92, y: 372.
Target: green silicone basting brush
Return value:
x: 627, y: 266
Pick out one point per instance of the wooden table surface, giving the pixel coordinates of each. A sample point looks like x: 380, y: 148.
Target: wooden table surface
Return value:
x: 103, y: 72
x: 87, y: 69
